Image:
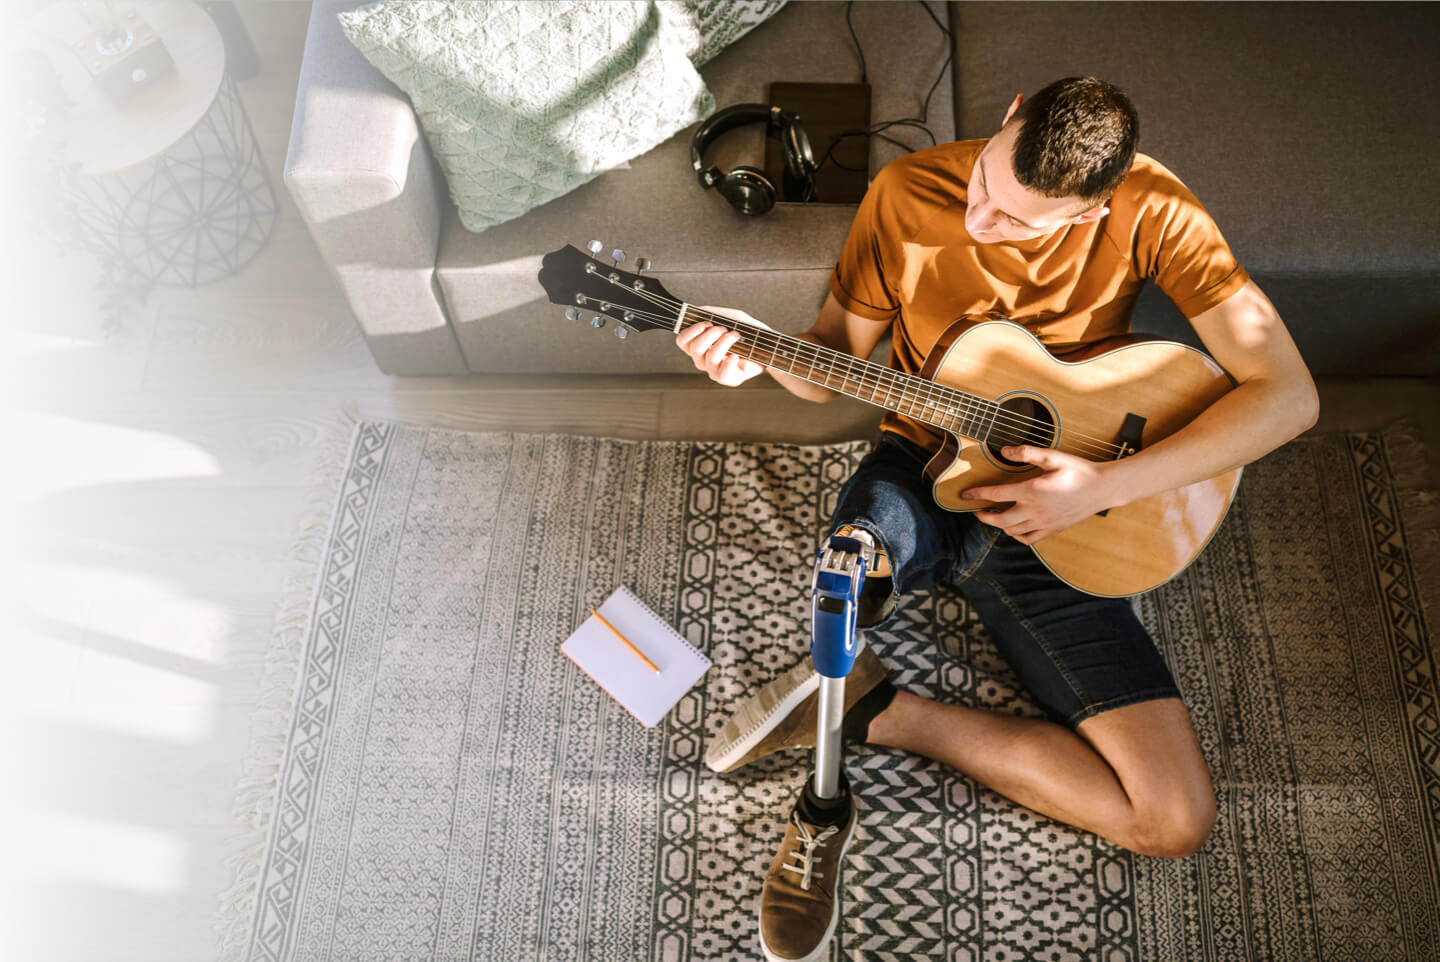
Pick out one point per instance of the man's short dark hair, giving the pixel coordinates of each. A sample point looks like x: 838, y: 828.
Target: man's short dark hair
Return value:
x: 1077, y: 138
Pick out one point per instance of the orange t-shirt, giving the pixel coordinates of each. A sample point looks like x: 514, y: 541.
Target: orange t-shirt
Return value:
x: 910, y: 261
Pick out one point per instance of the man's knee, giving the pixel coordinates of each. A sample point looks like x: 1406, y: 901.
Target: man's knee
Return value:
x: 1151, y: 747
x: 1176, y: 829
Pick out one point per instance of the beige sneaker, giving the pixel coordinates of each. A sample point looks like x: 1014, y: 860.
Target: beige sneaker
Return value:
x: 785, y: 712
x: 798, y: 907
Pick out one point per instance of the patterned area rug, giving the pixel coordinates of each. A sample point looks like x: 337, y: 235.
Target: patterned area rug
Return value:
x: 452, y: 788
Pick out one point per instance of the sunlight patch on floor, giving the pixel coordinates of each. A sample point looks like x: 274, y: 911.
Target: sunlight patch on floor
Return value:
x: 79, y: 848
x: 70, y: 452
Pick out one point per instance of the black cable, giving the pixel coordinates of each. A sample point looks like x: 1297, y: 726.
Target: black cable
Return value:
x: 864, y: 74
x: 878, y: 129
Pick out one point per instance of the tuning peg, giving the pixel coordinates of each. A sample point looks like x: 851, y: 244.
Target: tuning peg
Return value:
x: 642, y: 264
x: 622, y: 332
x: 595, y: 247
x: 572, y: 314
x: 597, y: 321
x: 617, y: 257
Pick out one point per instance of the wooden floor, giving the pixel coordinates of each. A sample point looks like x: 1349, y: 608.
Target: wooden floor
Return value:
x: 164, y: 465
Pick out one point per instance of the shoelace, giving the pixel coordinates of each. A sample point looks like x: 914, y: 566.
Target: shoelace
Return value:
x: 805, y: 853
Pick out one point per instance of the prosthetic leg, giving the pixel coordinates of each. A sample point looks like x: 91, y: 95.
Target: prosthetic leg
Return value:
x: 799, y: 905
x: 835, y: 593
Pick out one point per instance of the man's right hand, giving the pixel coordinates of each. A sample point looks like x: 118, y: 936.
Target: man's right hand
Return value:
x: 709, y: 347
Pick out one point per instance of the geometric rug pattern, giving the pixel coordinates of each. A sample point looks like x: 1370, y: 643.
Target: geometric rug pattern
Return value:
x: 451, y: 787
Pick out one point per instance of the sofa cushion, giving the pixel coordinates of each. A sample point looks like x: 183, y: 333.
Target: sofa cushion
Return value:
x: 719, y: 23
x: 774, y: 266
x: 521, y: 101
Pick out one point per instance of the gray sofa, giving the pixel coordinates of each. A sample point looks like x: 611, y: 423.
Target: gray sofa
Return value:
x: 1308, y: 130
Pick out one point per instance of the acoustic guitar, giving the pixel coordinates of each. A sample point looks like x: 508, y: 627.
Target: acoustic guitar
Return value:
x: 987, y: 385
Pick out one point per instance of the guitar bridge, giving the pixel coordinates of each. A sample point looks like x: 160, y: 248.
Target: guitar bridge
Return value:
x: 1130, y: 433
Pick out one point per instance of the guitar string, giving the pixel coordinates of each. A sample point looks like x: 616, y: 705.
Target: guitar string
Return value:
x: 1012, y: 422
x: 1097, y: 447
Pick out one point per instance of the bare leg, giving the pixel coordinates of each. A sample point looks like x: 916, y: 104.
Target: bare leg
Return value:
x: 1133, y: 775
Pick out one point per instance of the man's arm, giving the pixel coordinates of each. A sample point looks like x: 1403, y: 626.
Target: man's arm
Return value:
x: 1274, y: 401
x: 708, y: 346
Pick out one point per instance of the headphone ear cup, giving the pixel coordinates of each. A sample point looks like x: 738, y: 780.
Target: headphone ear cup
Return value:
x: 716, y: 126
x: 748, y: 190
x: 799, y: 158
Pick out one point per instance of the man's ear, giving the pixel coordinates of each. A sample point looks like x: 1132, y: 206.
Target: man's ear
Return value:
x: 1090, y: 216
x: 1014, y: 106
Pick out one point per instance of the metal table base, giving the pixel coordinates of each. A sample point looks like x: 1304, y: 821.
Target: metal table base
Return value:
x: 199, y: 212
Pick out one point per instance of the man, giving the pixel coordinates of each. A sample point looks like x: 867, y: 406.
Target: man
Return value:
x: 1056, y: 223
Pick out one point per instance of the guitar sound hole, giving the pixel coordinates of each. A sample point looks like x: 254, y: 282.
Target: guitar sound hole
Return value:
x: 1022, y: 420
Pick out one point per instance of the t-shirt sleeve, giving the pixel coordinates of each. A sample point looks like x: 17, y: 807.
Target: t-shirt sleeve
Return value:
x: 1182, y: 249
x: 859, y: 280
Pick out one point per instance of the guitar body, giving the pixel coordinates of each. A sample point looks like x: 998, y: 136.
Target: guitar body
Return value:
x: 1081, y: 407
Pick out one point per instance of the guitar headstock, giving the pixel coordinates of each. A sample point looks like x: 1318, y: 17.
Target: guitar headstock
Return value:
x: 590, y: 289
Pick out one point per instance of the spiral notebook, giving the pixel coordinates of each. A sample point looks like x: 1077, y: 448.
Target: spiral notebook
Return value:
x: 644, y: 692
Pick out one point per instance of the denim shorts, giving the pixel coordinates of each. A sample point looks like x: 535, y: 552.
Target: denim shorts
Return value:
x: 1077, y: 655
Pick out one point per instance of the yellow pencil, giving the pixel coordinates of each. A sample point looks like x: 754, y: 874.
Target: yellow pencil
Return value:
x: 653, y: 667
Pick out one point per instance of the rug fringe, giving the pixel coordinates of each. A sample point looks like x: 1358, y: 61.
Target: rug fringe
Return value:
x: 1420, y: 507
x: 256, y: 791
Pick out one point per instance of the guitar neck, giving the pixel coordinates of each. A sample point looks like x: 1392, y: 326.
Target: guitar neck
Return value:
x: 946, y: 408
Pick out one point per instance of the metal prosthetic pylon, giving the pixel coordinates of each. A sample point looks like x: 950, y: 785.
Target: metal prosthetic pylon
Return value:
x: 835, y: 593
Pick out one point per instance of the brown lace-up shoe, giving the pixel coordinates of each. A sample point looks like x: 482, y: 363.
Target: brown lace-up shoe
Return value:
x: 798, y: 907
x: 785, y: 712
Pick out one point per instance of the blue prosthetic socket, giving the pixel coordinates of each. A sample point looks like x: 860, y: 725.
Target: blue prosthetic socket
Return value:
x: 835, y: 592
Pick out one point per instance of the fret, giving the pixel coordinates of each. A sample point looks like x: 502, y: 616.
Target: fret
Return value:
x: 967, y: 419
x: 756, y: 348
x: 830, y: 369
x: 787, y: 354
x: 876, y: 383
x: 773, y: 356
x: 961, y: 409
x: 918, y: 405
x: 994, y: 413
x: 908, y: 396
x: 914, y: 400
x: 975, y: 416
x: 943, y: 407
x: 814, y: 360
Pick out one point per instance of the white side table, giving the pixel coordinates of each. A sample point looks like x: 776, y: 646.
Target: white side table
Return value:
x: 169, y: 181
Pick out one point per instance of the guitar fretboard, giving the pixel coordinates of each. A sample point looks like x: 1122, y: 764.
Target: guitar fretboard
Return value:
x: 946, y: 408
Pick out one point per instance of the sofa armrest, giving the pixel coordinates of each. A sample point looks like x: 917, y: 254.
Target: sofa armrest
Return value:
x: 366, y: 184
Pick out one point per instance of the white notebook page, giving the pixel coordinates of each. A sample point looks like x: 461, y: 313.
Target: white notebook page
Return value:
x: 644, y: 693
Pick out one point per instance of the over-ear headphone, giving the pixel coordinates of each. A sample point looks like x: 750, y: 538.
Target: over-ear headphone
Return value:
x: 747, y: 188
